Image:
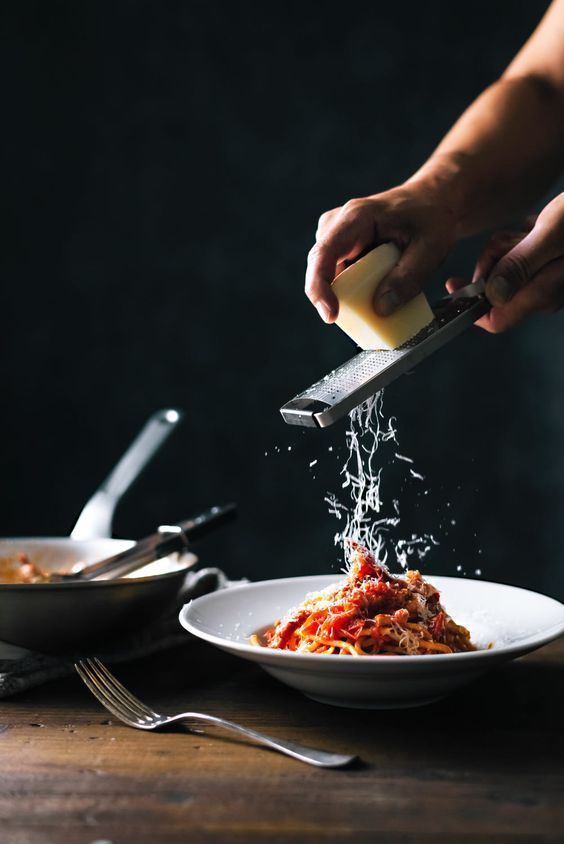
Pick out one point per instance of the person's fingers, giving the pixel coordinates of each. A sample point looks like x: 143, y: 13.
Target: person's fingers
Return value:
x: 321, y: 269
x: 342, y: 265
x: 325, y: 222
x: 345, y: 233
x: 545, y: 293
x: 455, y: 283
x: 498, y: 245
x: 543, y: 244
x: 419, y: 261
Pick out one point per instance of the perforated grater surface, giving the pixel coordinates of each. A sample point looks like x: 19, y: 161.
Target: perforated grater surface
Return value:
x: 366, y: 373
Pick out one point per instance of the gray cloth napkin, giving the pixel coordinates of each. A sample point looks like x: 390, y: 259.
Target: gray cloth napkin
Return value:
x: 32, y: 669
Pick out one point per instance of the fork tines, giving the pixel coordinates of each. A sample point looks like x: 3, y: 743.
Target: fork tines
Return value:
x: 113, y: 695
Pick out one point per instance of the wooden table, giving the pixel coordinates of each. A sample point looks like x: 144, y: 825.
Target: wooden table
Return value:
x: 485, y: 765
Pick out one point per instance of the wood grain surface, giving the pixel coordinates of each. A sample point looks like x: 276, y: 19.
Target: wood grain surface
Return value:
x: 485, y: 765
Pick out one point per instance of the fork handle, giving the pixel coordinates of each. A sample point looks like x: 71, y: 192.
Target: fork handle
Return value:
x: 311, y: 755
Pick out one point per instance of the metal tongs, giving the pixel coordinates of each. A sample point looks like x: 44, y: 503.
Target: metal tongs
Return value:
x: 362, y: 376
x: 168, y: 539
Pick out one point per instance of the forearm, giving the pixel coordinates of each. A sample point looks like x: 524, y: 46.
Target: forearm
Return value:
x: 501, y: 155
x: 495, y: 162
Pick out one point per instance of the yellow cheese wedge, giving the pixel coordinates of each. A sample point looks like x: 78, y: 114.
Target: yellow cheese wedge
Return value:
x: 355, y: 288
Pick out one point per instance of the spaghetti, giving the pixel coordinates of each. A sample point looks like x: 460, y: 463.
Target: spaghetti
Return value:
x: 370, y: 612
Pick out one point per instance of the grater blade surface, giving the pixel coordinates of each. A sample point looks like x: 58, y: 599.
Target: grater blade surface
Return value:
x: 367, y: 372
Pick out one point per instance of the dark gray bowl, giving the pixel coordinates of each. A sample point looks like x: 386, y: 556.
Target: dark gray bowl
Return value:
x: 71, y: 617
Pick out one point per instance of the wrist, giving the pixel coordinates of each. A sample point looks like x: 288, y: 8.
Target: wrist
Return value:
x: 444, y: 179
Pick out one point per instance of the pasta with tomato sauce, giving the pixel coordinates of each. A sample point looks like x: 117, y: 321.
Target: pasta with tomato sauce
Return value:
x: 370, y: 612
x: 20, y: 569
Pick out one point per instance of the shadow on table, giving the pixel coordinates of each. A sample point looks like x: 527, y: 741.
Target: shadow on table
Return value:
x: 511, y: 717
x: 519, y: 693
x: 508, y: 720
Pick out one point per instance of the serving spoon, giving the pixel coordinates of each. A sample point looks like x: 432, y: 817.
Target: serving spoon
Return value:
x: 96, y: 517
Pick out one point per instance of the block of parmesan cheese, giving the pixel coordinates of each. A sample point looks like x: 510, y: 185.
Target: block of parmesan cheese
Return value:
x: 355, y: 288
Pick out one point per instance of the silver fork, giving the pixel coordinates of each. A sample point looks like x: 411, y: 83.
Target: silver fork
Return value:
x: 133, y: 712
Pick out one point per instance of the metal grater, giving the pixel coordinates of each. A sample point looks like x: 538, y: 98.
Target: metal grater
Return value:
x: 368, y: 372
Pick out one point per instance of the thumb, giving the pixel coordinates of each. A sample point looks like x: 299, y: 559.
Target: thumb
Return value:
x: 518, y: 266
x: 418, y: 262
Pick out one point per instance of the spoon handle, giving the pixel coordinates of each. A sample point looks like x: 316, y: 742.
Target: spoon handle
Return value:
x: 96, y: 517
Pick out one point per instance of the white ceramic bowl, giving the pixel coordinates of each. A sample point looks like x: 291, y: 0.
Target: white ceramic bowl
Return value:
x: 516, y: 621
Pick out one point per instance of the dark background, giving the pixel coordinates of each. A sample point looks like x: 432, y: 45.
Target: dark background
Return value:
x: 164, y: 167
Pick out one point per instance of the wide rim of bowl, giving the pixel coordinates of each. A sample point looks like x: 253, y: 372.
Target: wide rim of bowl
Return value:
x: 191, y: 560
x: 524, y: 645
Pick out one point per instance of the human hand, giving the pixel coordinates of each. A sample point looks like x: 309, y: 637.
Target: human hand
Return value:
x: 411, y: 216
x: 524, y: 270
